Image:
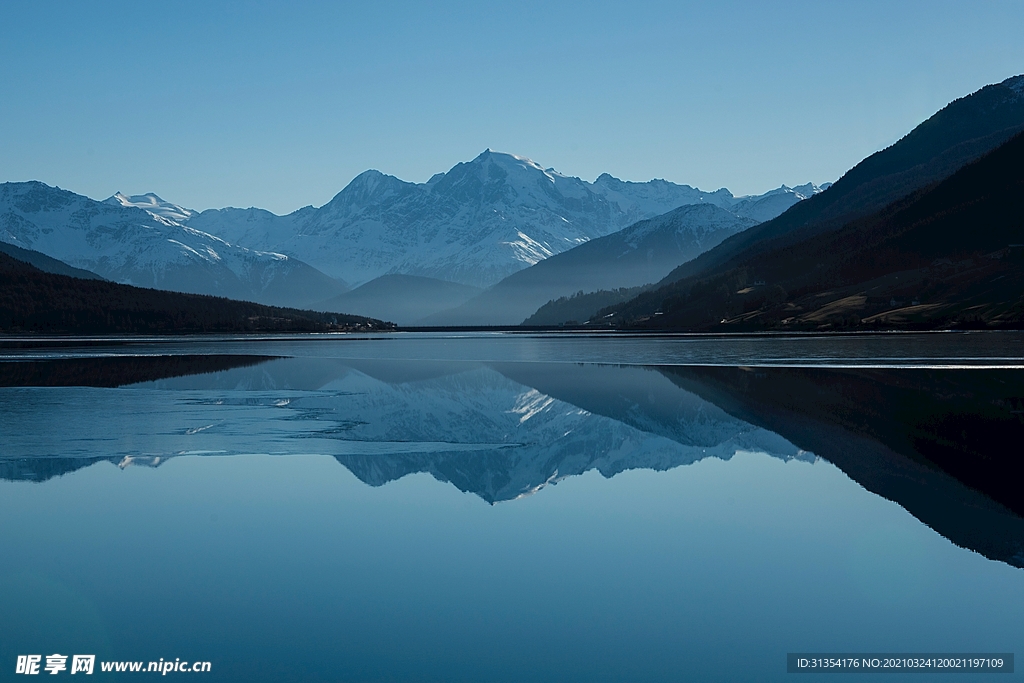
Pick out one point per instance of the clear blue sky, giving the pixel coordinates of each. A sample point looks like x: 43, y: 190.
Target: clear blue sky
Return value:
x: 280, y: 105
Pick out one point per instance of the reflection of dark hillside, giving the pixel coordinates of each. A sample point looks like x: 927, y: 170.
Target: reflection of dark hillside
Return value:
x: 943, y: 444
x: 99, y: 372
x: 115, y: 372
x: 41, y: 469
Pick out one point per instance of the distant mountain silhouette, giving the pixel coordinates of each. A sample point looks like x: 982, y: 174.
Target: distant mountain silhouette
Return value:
x: 35, y: 301
x: 45, y: 263
x: 401, y: 299
x: 146, y: 247
x: 476, y: 224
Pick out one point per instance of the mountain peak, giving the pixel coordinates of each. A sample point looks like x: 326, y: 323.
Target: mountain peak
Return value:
x: 369, y: 188
x: 152, y: 203
x: 508, y: 162
x: 150, y: 198
x: 373, y: 182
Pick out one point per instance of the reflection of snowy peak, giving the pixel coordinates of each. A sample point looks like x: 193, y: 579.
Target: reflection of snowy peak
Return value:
x: 476, y: 224
x: 137, y: 240
x: 485, y: 429
x: 505, y: 440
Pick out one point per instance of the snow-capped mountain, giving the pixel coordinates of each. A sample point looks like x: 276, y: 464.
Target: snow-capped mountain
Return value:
x: 476, y: 224
x: 774, y: 203
x: 143, y: 246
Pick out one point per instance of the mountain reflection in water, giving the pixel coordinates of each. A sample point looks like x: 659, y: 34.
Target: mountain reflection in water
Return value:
x: 930, y: 440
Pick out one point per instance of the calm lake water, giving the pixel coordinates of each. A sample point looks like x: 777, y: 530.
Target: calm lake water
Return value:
x: 498, y: 507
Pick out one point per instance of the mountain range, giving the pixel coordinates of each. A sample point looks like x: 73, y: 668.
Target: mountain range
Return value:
x: 472, y: 226
x: 403, y: 299
x: 495, y: 239
x: 476, y: 224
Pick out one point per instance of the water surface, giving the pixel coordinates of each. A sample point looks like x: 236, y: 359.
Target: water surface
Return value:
x: 510, y: 507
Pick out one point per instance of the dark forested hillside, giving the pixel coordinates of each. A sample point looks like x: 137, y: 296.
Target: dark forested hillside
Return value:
x: 948, y: 255
x: 961, y: 132
x: 578, y: 308
x: 38, y: 302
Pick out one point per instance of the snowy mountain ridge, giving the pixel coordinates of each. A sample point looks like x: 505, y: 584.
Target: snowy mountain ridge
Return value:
x: 123, y: 242
x: 475, y: 224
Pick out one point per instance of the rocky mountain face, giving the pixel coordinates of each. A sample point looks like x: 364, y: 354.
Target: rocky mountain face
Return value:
x: 476, y: 224
x: 127, y: 244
